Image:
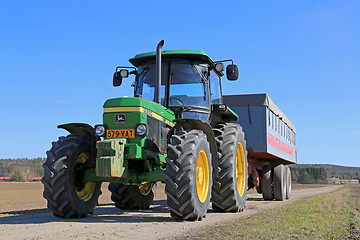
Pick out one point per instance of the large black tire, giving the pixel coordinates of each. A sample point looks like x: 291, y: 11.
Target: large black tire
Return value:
x: 188, y: 175
x: 280, y: 182
x: 267, y: 183
x: 66, y: 195
x: 288, y: 182
x: 230, y: 186
x: 130, y: 197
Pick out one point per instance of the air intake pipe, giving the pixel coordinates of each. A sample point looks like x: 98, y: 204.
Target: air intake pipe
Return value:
x: 158, y: 71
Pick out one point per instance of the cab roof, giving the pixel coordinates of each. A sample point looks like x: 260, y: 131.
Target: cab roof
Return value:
x: 184, y: 54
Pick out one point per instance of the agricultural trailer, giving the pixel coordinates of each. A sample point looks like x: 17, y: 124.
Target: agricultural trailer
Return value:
x: 270, y: 143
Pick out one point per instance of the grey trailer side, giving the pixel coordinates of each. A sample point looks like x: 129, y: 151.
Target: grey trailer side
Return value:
x: 270, y: 143
x: 269, y: 134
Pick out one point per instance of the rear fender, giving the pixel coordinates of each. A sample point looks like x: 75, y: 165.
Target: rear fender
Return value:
x: 189, y: 124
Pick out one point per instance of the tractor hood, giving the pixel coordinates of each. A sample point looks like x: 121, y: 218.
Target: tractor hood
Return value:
x: 132, y: 104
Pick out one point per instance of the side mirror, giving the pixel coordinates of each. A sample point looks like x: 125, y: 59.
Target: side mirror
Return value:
x: 232, y: 72
x: 119, y: 75
x: 117, y: 79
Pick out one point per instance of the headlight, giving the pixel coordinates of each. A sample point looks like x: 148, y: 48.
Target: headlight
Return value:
x: 124, y: 73
x: 100, y: 130
x: 141, y: 129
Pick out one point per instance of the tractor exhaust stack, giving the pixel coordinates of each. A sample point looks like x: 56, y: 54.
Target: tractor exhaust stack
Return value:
x: 158, y: 71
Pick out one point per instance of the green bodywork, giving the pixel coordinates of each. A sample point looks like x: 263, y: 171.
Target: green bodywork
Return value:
x: 115, y: 156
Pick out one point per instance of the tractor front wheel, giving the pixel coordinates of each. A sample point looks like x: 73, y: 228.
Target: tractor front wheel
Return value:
x: 188, y: 175
x: 132, y: 197
x: 67, y: 196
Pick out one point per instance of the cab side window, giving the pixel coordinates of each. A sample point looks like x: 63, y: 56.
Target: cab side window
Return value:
x: 216, y: 96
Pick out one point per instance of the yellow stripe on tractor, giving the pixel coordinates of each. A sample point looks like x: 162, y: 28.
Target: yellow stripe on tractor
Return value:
x: 139, y: 109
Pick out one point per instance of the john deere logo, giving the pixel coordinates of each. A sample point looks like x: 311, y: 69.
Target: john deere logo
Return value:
x: 120, y: 118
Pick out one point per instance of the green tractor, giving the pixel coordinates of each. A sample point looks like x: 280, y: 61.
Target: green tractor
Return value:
x: 175, y: 130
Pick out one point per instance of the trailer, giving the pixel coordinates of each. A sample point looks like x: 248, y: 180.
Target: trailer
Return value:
x: 270, y: 142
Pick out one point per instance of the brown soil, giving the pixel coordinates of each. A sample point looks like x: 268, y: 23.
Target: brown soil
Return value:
x: 26, y: 198
x: 18, y: 197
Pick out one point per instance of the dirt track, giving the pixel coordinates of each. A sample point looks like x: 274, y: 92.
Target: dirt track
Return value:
x: 23, y: 216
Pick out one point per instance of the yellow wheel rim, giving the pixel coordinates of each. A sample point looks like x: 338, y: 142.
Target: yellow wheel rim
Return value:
x: 240, y: 169
x: 202, y: 176
x: 145, y: 188
x: 86, y: 191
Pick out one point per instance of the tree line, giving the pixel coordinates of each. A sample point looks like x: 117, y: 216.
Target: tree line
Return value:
x: 332, y: 171
x: 24, y: 169
x: 309, y: 175
x: 21, y: 169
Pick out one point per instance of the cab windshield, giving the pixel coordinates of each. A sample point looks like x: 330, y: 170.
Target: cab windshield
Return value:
x: 187, y: 84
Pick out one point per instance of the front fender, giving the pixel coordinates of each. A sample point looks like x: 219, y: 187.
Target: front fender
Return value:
x: 85, y: 130
x: 80, y: 129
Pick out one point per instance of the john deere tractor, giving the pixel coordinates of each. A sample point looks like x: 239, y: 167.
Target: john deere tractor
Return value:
x: 175, y: 130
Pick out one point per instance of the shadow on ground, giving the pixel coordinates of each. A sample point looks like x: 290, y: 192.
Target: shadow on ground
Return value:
x: 104, y: 213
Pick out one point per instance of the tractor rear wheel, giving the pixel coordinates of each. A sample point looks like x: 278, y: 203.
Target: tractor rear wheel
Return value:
x: 132, y: 197
x: 230, y: 184
x: 280, y: 182
x: 267, y: 182
x: 188, y: 175
x: 67, y: 196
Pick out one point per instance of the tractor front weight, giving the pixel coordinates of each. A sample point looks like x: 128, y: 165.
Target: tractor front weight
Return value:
x: 114, y: 157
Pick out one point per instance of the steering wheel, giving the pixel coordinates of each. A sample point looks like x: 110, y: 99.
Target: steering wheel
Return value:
x: 176, y: 100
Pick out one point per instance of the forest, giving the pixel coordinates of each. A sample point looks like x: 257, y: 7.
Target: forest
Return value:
x: 309, y: 175
x: 21, y: 169
x: 318, y: 173
x: 24, y: 169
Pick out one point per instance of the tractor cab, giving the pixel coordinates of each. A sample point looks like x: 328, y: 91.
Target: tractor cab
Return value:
x: 190, y: 81
x: 184, y: 87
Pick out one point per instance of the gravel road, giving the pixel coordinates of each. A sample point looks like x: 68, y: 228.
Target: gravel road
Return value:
x: 108, y: 222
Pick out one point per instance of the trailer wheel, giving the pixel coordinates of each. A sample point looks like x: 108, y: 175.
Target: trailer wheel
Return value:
x: 266, y: 183
x: 188, y: 175
x: 280, y: 182
x: 132, y: 197
x: 230, y: 186
x: 66, y: 195
x: 288, y: 182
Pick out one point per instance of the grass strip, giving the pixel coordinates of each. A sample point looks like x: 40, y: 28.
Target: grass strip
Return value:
x: 332, y: 215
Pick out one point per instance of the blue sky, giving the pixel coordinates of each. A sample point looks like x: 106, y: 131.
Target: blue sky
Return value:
x: 57, y: 59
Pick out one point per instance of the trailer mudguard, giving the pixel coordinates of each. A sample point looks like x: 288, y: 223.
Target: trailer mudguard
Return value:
x: 188, y: 124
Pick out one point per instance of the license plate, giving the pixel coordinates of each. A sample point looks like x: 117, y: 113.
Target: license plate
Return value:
x: 120, y: 133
